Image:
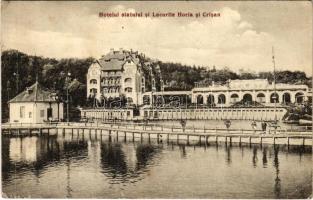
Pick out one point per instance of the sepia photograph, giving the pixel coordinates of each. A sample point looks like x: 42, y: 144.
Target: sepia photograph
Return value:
x: 156, y: 99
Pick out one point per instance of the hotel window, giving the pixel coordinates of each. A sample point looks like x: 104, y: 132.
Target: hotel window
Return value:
x: 93, y: 81
x: 93, y: 90
x: 22, y: 111
x: 30, y: 114
x: 128, y: 89
x: 42, y: 113
x: 128, y: 80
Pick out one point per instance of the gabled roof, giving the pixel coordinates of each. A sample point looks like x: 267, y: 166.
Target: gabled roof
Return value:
x: 113, y: 64
x: 34, y: 93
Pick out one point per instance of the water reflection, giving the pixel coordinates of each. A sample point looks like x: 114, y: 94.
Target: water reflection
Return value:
x: 228, y: 154
x: 35, y: 154
x: 277, y: 186
x: 183, y: 152
x: 126, y: 163
x: 255, y: 156
x: 264, y: 158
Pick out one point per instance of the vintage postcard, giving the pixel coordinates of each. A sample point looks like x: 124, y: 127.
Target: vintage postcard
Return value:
x: 165, y: 99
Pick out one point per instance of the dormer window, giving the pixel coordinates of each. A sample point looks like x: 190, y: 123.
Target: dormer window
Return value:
x: 29, y: 90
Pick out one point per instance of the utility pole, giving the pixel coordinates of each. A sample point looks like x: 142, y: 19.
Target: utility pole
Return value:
x: 16, y: 74
x: 8, y: 89
x: 67, y: 95
x: 276, y: 96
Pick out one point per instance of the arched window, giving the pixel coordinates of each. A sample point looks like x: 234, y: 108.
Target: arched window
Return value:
x: 93, y: 81
x: 274, y: 98
x: 210, y: 100
x: 200, y: 99
x: 261, y: 97
x: 128, y: 89
x: 93, y: 91
x: 247, y: 98
x: 128, y: 80
x: 286, y: 98
x: 299, y: 97
x: 234, y: 98
x: 221, y: 99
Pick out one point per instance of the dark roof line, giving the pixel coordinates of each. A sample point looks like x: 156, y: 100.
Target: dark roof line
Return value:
x: 34, y: 93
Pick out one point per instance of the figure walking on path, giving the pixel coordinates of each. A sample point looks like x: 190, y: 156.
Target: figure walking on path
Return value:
x: 253, y: 124
x: 263, y: 124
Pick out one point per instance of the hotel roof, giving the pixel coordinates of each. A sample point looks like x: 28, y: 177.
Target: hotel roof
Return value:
x: 115, y: 60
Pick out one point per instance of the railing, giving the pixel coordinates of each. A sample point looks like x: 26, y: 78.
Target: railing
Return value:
x: 153, y: 127
x: 28, y: 125
x: 173, y: 128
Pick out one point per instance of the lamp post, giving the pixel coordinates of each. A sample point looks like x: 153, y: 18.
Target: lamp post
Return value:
x: 16, y: 74
x: 67, y: 79
x: 8, y: 89
x: 58, y: 102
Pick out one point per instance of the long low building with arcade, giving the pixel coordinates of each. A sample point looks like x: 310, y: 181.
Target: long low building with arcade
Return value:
x: 256, y: 90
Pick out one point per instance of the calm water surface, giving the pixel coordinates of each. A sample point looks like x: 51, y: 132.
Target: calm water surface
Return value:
x: 85, y: 167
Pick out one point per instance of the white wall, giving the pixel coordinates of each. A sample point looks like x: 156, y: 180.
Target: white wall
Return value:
x: 35, y: 109
x: 15, y: 113
x: 94, y: 72
x: 131, y: 72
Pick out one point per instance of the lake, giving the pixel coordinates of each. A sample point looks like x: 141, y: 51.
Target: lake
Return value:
x: 74, y: 167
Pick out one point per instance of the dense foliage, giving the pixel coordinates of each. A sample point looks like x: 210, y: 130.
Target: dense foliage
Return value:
x: 19, y: 70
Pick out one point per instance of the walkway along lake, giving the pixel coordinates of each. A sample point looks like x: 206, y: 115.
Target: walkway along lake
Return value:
x: 163, y: 130
x: 77, y: 166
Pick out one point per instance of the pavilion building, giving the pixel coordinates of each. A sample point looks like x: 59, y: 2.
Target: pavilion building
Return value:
x: 35, y: 105
x: 256, y: 90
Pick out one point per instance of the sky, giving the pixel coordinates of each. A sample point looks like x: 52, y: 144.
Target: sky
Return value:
x: 241, y: 38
